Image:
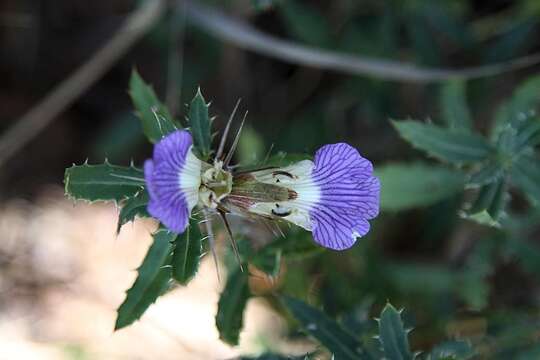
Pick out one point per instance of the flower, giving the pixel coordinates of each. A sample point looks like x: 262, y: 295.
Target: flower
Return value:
x: 173, y: 179
x: 333, y: 196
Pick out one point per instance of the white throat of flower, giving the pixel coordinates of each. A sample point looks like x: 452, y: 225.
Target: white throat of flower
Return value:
x: 295, y: 177
x: 190, y: 178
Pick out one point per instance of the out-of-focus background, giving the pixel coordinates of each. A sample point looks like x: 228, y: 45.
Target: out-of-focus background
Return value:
x: 63, y: 270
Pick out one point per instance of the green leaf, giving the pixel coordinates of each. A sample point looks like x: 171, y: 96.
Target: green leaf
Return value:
x: 199, y: 123
x: 231, y: 305
x: 405, y: 186
x: 525, y: 174
x: 155, y: 117
x: 487, y: 173
x: 153, y: 279
x: 133, y: 207
x: 453, y: 101
x: 444, y: 144
x: 305, y: 23
x: 104, y: 182
x: 328, y: 332
x: 489, y: 204
x: 528, y: 134
x: 452, y: 350
x: 521, y: 106
x: 393, y: 336
x: 187, y: 253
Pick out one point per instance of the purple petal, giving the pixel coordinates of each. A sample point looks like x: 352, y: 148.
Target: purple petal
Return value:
x: 349, y: 196
x: 162, y: 174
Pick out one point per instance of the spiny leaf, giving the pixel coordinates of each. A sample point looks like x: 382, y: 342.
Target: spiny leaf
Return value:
x: 453, y: 100
x: 153, y: 279
x: 525, y: 174
x: 155, y: 117
x: 405, y: 186
x: 328, y: 332
x: 104, y: 182
x: 393, y: 336
x: 199, y: 123
x: 187, y: 253
x: 444, y: 144
x: 231, y: 305
x: 133, y: 207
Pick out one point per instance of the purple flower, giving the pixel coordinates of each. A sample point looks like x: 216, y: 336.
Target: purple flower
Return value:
x: 173, y: 178
x: 334, y: 196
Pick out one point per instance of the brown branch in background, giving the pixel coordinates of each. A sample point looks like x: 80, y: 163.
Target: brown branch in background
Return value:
x: 247, y: 37
x: 35, y: 120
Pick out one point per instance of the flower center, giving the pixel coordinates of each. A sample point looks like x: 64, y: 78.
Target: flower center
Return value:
x: 216, y: 183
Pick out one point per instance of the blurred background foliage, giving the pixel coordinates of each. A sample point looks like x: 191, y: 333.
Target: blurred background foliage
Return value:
x: 456, y: 278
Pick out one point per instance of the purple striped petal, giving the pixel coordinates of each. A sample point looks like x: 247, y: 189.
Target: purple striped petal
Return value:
x: 172, y: 179
x: 349, y: 196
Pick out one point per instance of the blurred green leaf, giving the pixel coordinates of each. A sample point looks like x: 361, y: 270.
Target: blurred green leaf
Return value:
x: 452, y: 350
x: 104, y: 182
x: 487, y: 173
x: 490, y: 200
x: 155, y: 117
x: 187, y: 253
x: 305, y: 23
x: 119, y: 138
x: 134, y: 206
x: 528, y: 135
x: 250, y: 147
x: 454, y: 106
x: 405, y: 186
x: 200, y: 125
x: 231, y: 306
x: 153, y: 279
x: 393, y: 336
x: 425, y: 45
x: 328, y: 332
x: 263, y: 5
x: 512, y: 42
x: 523, y: 103
x: 525, y: 174
x: 444, y: 144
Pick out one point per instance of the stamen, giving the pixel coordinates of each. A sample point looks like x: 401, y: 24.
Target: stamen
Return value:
x: 235, y: 143
x: 226, y: 131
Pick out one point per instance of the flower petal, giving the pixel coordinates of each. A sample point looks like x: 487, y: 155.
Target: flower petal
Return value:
x: 349, y: 196
x: 173, y: 178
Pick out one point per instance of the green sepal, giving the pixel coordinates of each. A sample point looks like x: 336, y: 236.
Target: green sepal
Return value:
x: 187, y: 253
x: 231, y: 306
x: 405, y: 186
x: 152, y: 280
x: 154, y: 115
x: 133, y: 207
x: 444, y: 144
x: 393, y: 336
x: 327, y: 331
x: 104, y: 182
x: 200, y: 126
